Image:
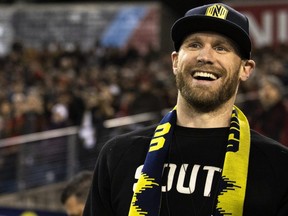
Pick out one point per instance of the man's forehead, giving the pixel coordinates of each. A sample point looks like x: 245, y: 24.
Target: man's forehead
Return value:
x: 212, y: 36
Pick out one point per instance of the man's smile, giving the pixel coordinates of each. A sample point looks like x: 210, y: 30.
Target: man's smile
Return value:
x: 200, y: 75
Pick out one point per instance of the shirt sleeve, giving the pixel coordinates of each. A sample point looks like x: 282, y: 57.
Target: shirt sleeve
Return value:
x: 99, y: 201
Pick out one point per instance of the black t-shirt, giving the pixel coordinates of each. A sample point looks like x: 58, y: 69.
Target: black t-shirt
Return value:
x: 201, y: 153
x: 194, y: 166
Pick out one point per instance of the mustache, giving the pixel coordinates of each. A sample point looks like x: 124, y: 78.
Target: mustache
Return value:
x: 203, y: 66
x: 209, y: 69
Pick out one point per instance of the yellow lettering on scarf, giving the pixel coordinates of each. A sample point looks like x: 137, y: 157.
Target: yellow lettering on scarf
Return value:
x: 143, y: 183
x: 158, y: 140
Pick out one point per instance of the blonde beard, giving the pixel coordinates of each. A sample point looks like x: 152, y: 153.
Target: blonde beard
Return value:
x: 204, y: 100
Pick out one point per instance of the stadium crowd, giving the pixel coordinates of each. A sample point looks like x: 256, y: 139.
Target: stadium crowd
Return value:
x: 56, y: 87
x: 53, y: 88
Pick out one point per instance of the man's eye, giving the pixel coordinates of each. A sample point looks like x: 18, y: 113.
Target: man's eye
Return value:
x: 220, y: 48
x: 194, y: 45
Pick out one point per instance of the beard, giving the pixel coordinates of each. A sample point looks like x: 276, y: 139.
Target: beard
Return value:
x: 203, y: 99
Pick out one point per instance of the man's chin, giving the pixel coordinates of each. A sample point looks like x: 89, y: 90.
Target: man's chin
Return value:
x: 204, y: 106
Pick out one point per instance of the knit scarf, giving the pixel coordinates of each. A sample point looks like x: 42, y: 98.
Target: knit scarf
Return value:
x: 146, y: 199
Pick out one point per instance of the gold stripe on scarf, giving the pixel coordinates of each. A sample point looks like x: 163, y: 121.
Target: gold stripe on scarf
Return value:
x: 235, y: 169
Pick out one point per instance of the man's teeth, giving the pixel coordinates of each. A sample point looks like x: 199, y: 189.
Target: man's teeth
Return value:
x: 204, y: 75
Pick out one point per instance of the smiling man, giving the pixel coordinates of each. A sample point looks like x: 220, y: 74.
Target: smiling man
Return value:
x: 211, y: 63
x: 202, y: 158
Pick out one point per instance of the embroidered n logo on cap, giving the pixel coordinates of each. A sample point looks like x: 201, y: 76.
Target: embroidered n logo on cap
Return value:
x: 218, y: 11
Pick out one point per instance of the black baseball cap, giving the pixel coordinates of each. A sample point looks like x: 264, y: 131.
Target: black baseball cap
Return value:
x: 218, y: 18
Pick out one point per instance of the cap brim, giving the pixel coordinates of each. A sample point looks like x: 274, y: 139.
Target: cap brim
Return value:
x: 187, y: 25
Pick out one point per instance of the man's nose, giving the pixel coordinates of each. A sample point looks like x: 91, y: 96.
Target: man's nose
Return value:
x: 205, y: 54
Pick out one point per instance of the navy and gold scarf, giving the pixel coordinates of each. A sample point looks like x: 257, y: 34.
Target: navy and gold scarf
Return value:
x: 146, y: 199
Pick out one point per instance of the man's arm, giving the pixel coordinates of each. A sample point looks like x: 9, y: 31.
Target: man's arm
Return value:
x: 98, y: 200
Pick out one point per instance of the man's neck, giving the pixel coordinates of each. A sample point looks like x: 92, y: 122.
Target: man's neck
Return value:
x: 189, y: 117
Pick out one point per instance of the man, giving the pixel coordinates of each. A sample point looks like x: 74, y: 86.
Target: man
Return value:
x: 202, y: 158
x: 74, y: 195
x: 270, y: 108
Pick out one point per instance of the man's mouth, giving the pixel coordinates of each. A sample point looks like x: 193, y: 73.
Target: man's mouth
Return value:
x: 200, y: 75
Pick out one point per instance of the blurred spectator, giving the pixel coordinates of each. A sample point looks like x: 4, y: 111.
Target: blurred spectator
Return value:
x: 74, y: 195
x: 18, y: 108
x: 92, y: 132
x: 6, y: 119
x: 146, y: 100
x: 59, y: 116
x: 269, y: 115
x: 34, y: 112
x: 125, y: 104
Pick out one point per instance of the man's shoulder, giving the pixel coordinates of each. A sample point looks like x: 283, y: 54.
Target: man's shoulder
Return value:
x: 139, y: 138
x: 271, y: 149
x: 147, y: 131
x: 264, y: 141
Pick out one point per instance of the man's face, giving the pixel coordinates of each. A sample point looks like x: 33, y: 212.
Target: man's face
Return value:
x: 207, y: 69
x: 269, y: 94
x: 73, y: 207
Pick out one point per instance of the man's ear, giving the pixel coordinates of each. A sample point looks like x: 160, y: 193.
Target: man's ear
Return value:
x: 174, y: 58
x: 247, y: 68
